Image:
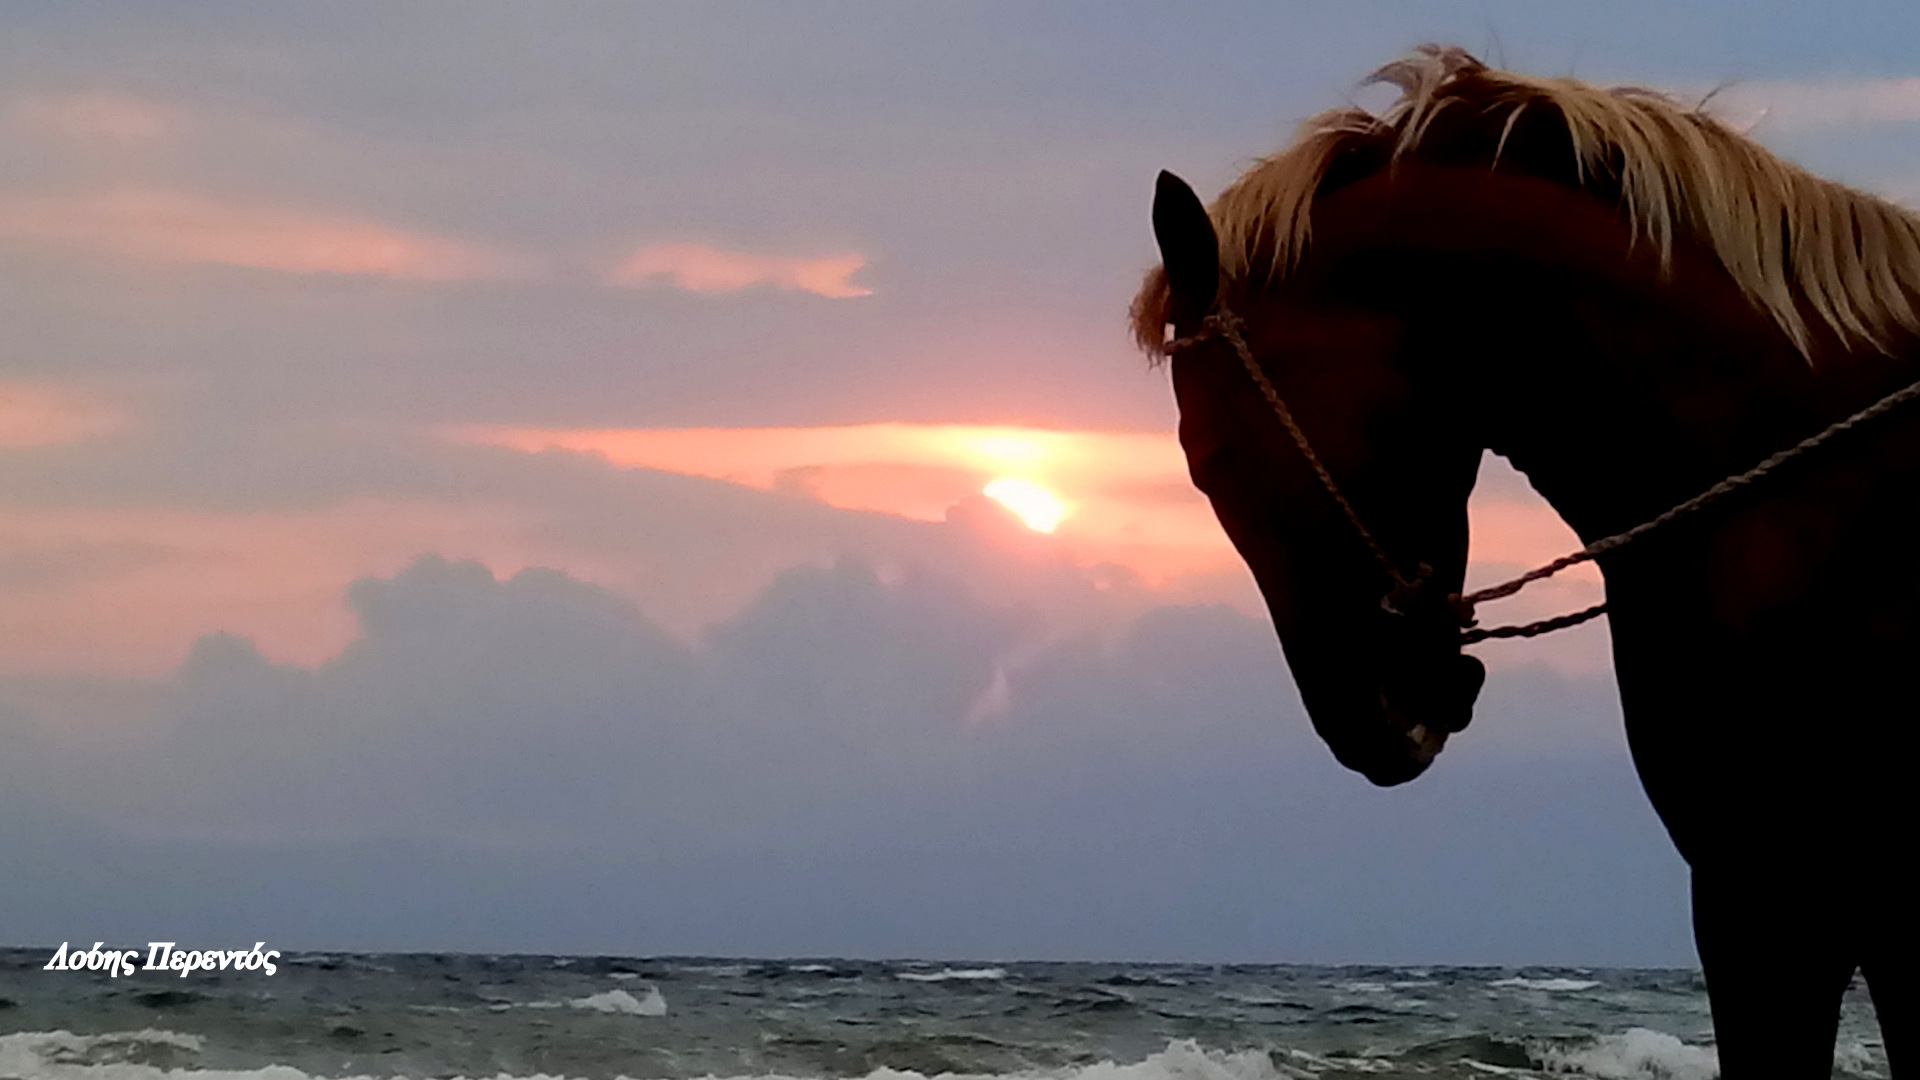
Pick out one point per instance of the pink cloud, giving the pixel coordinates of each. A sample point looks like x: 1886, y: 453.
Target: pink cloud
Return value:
x: 1130, y: 504
x: 33, y: 415
x: 171, y: 227
x: 921, y: 471
x: 141, y: 583
x: 126, y: 589
x: 704, y: 269
x: 98, y: 117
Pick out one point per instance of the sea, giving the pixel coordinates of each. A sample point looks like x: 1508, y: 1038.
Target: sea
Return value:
x: 335, y: 1016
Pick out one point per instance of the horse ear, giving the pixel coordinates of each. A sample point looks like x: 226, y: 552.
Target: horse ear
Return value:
x: 1189, y: 250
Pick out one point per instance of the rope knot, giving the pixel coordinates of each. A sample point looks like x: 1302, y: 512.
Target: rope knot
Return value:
x: 1462, y: 609
x: 1219, y: 323
x: 1399, y: 599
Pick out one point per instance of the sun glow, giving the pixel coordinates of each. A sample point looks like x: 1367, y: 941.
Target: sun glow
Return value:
x: 1039, y: 508
x: 1119, y: 498
x: 1117, y: 503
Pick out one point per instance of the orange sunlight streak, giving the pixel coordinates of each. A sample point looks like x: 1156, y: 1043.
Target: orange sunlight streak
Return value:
x: 1130, y: 502
x: 1095, y: 498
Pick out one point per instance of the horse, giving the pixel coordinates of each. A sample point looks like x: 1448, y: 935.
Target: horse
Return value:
x: 1630, y: 301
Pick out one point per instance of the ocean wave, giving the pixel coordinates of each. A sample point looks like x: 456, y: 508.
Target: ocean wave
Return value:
x: 619, y: 1001
x: 953, y: 974
x: 63, y: 1055
x: 1634, y: 1054
x: 50, y: 1053
x: 1127, y: 979
x: 1554, y: 985
x: 718, y: 971
x: 1260, y: 1000
x: 651, y: 1003
x: 312, y: 959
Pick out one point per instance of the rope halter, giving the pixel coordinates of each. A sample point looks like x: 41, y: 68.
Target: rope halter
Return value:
x: 1224, y: 324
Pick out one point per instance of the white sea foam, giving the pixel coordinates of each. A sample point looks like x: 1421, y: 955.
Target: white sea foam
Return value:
x: 1635, y: 1054
x: 812, y: 969
x: 619, y: 1001
x: 1855, y: 1058
x: 950, y: 974
x: 719, y: 971
x: 1187, y: 1060
x: 45, y: 1055
x: 1555, y: 985
x: 311, y: 958
x: 62, y: 1055
x: 67, y: 1045
x: 651, y: 1002
x: 1251, y: 998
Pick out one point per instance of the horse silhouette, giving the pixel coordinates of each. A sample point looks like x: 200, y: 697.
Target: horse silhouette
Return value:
x: 1630, y: 301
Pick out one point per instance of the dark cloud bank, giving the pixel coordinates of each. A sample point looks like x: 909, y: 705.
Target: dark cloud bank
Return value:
x: 852, y: 765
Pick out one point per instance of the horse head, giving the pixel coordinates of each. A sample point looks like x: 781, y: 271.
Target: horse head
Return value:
x: 1372, y: 639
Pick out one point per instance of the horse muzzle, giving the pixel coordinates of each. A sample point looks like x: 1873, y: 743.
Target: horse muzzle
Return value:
x: 1398, y: 719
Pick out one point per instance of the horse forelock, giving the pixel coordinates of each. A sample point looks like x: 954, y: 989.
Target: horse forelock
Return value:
x: 1799, y: 246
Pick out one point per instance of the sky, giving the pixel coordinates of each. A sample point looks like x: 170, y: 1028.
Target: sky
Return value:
x: 672, y: 478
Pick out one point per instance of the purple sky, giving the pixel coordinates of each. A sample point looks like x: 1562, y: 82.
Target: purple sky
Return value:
x: 362, y: 684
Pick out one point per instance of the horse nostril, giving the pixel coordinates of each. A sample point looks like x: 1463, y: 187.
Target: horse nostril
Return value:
x: 1473, y: 675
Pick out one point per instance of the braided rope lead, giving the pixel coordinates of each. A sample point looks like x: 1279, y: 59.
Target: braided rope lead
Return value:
x: 1226, y: 324
x: 1725, y: 487
x: 1471, y: 634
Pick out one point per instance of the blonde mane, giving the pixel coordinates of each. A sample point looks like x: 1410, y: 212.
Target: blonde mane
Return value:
x: 1796, y: 244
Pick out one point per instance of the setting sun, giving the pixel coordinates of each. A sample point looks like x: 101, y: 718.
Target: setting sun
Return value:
x: 1039, y: 508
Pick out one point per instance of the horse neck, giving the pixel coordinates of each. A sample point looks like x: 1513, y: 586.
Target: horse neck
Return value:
x: 1620, y: 403
x: 1623, y: 386
x: 1573, y: 348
